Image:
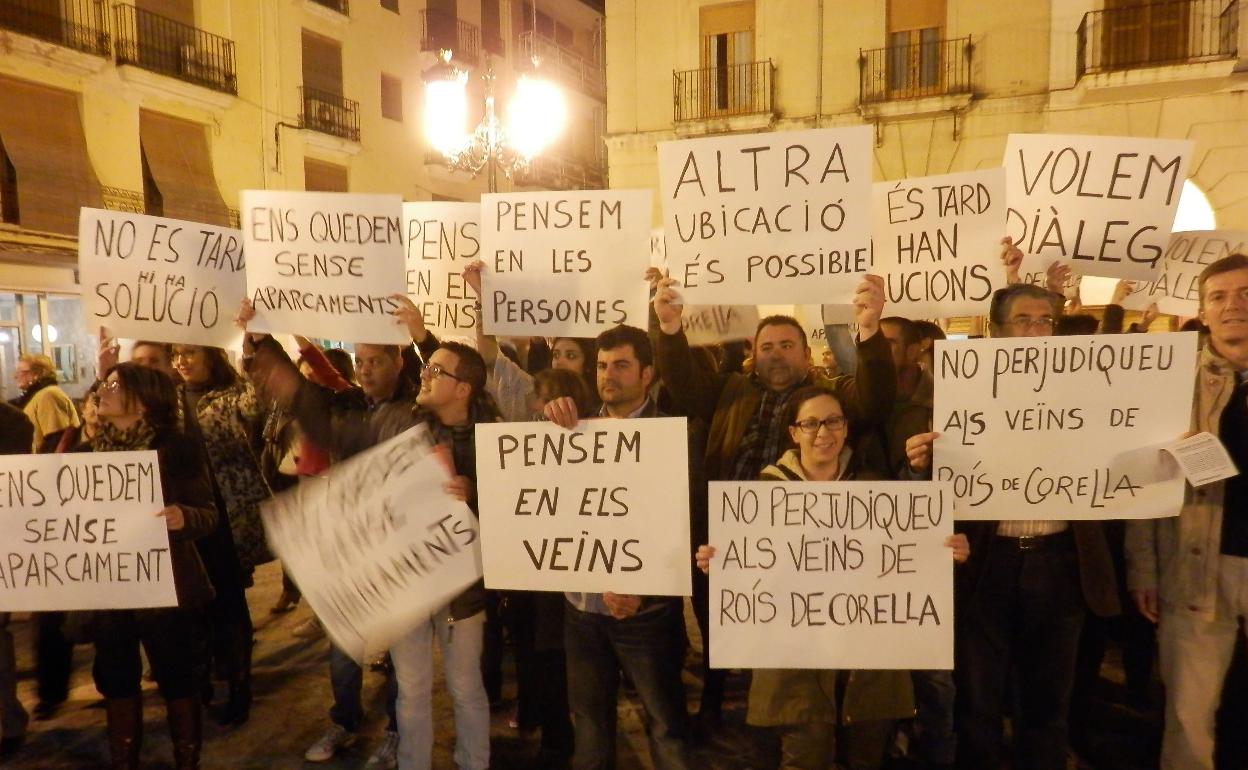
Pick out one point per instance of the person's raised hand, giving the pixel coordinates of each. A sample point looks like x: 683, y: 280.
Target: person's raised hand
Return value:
x: 472, y: 275
x: 106, y: 354
x: 665, y: 305
x: 1011, y: 260
x: 919, y: 451
x: 410, y: 317
x: 1056, y: 277
x: 868, y: 305
x: 562, y: 412
x: 702, y: 557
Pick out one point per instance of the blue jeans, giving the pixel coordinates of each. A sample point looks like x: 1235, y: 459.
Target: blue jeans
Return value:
x: 347, y: 678
x: 461, y: 643
x: 648, y: 647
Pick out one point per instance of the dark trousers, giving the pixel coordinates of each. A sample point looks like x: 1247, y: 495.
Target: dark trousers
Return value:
x: 346, y: 678
x: 1018, y: 632
x: 54, y: 657
x: 541, y: 672
x: 647, y: 647
x: 167, y: 637
x: 712, y: 700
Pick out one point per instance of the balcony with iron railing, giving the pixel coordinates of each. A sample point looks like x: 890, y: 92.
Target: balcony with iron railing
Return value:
x: 915, y: 71
x: 566, y: 64
x: 722, y: 92
x: 1156, y: 34
x: 329, y: 113
x: 559, y: 172
x: 168, y: 47
x: 440, y: 30
x: 76, y: 24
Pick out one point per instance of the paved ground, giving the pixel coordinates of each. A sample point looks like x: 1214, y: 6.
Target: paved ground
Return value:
x: 292, y: 695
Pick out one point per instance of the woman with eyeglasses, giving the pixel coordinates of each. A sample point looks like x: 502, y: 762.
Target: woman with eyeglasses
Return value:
x: 804, y: 704
x: 138, y: 410
x: 224, y: 416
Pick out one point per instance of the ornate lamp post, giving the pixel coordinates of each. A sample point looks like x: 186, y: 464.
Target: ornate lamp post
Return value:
x: 535, y: 117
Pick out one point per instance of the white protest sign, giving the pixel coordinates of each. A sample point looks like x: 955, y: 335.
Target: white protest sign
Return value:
x: 776, y: 218
x: 376, y: 546
x: 604, y: 507
x: 849, y: 574
x: 1103, y: 204
x: 79, y: 531
x: 1031, y: 426
x: 569, y: 264
x: 1176, y: 290
x: 707, y: 324
x: 325, y: 264
x: 938, y: 242
x: 160, y: 279
x: 441, y: 239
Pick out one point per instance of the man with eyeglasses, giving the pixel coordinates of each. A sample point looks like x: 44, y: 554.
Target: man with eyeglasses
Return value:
x: 450, y: 401
x: 1189, y: 573
x: 1021, y: 600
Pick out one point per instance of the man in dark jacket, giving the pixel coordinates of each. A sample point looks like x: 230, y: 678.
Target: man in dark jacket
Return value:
x: 1022, y: 598
x: 604, y: 633
x: 16, y: 436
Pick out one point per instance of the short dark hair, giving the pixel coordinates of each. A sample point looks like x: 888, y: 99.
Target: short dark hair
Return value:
x: 998, y: 311
x: 471, y: 366
x: 628, y: 335
x: 342, y: 361
x: 782, y: 320
x: 560, y: 383
x: 165, y: 347
x: 1079, y: 323
x: 152, y: 389
x: 909, y: 329
x: 929, y: 331
x: 1225, y: 265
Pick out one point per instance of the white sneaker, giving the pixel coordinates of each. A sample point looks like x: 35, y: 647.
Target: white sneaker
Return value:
x: 386, y: 757
x: 334, y: 738
x: 310, y: 629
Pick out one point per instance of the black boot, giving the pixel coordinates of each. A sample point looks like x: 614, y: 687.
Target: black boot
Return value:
x: 125, y: 732
x: 185, y: 731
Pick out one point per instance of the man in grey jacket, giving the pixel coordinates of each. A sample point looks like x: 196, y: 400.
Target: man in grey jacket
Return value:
x: 1189, y: 573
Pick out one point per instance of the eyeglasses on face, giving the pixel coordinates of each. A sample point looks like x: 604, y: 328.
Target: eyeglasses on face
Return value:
x: 434, y: 371
x: 1023, y: 323
x: 811, y: 426
x: 111, y: 386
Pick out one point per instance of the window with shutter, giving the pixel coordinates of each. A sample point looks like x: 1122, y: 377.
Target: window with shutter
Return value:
x: 319, y: 176
x: 913, y: 62
x: 727, y: 81
x: 322, y: 64
x: 391, y: 98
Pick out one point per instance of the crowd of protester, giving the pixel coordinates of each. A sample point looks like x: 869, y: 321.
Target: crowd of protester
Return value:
x: 1037, y: 602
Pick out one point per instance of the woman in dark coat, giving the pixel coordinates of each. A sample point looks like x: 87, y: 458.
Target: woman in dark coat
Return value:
x: 138, y: 410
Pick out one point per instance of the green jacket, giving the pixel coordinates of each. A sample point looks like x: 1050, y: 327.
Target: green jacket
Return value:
x: 781, y: 696
x: 727, y: 402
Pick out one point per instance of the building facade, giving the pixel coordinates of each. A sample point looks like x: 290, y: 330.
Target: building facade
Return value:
x: 172, y: 107
x: 942, y: 82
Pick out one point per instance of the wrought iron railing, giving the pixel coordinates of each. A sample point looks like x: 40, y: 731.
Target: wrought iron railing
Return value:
x: 439, y: 30
x: 77, y: 24
x: 915, y: 70
x: 557, y: 172
x: 329, y: 113
x: 178, y: 50
x: 713, y: 92
x: 340, y: 6
x: 1155, y: 34
x: 578, y: 71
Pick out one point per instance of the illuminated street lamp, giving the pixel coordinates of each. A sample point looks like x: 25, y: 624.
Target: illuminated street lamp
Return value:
x: 535, y: 118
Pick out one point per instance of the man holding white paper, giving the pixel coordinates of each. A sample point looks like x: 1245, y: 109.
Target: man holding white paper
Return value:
x: 1188, y: 573
x: 607, y: 632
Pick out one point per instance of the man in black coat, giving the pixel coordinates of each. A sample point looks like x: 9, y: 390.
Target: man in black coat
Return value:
x: 16, y: 435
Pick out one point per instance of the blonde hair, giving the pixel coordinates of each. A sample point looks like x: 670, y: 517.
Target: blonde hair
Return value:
x: 40, y: 365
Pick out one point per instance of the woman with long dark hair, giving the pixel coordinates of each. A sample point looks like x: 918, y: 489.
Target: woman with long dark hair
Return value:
x: 224, y: 416
x: 138, y: 409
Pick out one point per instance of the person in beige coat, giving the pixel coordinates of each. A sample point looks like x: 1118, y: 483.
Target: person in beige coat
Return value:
x: 48, y: 407
x: 1189, y: 573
